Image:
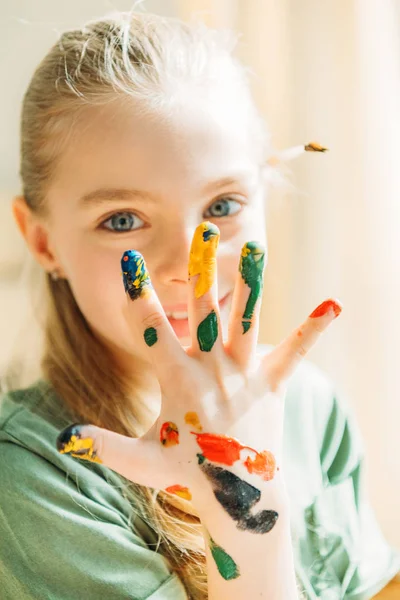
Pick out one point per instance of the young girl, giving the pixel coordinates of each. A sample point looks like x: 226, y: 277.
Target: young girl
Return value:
x: 142, y: 158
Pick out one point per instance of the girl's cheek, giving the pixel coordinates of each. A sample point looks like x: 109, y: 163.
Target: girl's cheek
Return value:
x: 228, y: 266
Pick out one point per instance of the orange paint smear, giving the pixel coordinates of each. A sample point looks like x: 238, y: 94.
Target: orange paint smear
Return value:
x: 326, y: 306
x: 220, y: 448
x: 192, y: 418
x: 179, y: 490
x: 264, y: 464
x: 226, y: 450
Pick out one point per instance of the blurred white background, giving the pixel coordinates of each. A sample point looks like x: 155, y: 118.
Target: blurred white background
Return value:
x: 325, y: 71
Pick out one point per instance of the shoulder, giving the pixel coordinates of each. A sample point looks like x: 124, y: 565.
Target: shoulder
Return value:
x: 31, y: 418
x: 33, y: 469
x: 63, y: 531
x: 64, y: 523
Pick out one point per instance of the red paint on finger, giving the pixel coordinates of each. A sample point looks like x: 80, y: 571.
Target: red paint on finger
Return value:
x: 169, y: 434
x: 263, y: 464
x: 325, y: 307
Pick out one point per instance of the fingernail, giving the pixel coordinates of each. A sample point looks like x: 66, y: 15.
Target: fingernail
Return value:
x: 203, y: 256
x: 325, y: 307
x: 75, y: 441
x: 251, y: 267
x: 135, y: 275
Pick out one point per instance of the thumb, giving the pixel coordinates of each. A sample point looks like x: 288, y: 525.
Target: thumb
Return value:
x: 137, y: 459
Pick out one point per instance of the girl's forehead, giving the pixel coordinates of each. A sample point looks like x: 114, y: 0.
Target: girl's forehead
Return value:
x: 195, y: 141
x: 192, y: 127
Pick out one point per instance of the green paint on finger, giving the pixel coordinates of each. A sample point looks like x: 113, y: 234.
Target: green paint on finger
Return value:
x: 225, y: 563
x: 150, y: 336
x: 207, y: 332
x: 246, y: 326
x: 251, y: 267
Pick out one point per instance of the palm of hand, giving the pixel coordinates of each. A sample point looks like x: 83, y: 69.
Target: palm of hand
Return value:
x: 222, y: 405
x: 207, y: 422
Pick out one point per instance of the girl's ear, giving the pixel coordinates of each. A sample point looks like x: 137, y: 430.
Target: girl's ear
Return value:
x: 35, y: 234
x: 20, y: 211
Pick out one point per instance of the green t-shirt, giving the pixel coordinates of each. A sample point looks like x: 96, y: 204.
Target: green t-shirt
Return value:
x: 67, y: 533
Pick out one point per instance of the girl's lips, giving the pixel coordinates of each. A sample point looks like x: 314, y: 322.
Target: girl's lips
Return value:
x: 184, y: 307
x: 181, y: 326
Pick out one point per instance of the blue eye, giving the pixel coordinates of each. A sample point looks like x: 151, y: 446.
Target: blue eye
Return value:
x: 123, y: 221
x: 222, y: 207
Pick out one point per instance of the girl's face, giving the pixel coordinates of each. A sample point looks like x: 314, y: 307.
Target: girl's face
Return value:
x: 136, y: 182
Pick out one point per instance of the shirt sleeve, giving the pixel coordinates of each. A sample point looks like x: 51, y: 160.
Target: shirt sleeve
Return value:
x: 352, y: 554
x: 56, y: 542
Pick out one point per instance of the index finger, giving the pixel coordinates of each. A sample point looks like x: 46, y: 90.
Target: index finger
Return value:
x: 146, y: 317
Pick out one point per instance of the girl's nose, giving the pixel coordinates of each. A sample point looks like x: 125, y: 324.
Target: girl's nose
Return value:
x: 173, y: 256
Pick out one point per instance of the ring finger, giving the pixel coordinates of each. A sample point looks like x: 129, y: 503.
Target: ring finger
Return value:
x: 244, y: 319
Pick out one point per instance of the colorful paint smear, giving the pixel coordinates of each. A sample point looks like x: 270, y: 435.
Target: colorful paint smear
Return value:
x: 226, y: 450
x: 326, y: 306
x: 207, y: 332
x: 70, y: 441
x: 220, y: 448
x: 251, y: 267
x: 264, y: 464
x: 136, y: 278
x: 192, y: 418
x: 150, y: 336
x: 237, y: 498
x: 169, y: 434
x: 179, y: 490
x: 225, y: 563
x: 203, y: 256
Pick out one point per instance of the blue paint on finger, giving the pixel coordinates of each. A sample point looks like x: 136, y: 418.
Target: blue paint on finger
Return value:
x: 135, y: 274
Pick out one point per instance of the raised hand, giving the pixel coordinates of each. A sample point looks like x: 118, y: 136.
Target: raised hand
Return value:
x: 217, y: 440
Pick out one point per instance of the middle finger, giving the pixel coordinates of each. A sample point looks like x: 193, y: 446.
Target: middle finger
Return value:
x: 204, y: 318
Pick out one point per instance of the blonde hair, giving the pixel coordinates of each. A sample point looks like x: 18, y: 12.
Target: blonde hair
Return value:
x: 122, y: 57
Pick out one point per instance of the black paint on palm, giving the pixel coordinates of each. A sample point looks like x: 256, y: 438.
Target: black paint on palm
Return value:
x: 238, y: 497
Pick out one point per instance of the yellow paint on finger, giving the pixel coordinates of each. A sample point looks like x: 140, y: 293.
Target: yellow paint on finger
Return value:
x: 203, y: 256
x: 146, y: 292
x: 192, y: 418
x: 81, y: 448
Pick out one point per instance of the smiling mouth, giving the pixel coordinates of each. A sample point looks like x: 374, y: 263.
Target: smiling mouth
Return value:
x: 179, y: 315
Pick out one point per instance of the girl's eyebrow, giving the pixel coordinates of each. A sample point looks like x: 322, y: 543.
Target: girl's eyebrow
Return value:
x: 108, y: 194
x: 103, y: 195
